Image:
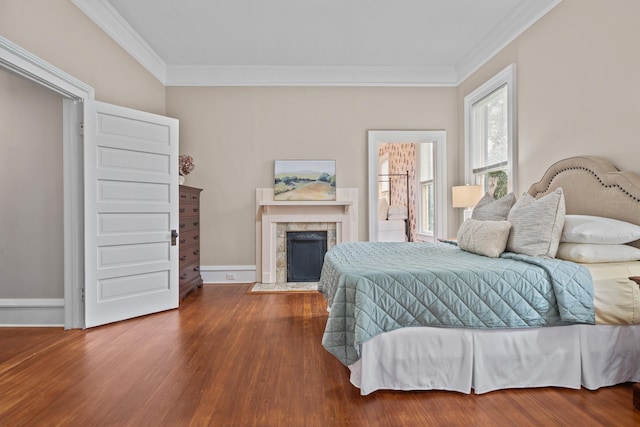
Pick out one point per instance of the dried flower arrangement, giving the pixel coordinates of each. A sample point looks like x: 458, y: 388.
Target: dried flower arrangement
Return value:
x: 186, y: 165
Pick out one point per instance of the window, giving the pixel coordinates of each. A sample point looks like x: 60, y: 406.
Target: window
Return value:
x: 490, y: 134
x: 383, y: 181
x: 427, y: 195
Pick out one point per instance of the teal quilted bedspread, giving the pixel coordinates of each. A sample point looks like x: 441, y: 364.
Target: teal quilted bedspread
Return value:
x: 379, y: 287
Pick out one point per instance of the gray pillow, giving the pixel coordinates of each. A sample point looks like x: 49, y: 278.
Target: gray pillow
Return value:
x: 488, y: 238
x: 490, y: 209
x: 536, y: 225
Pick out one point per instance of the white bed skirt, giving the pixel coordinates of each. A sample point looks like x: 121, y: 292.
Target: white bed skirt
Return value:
x: 462, y: 360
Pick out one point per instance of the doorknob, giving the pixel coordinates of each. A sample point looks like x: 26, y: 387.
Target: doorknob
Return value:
x: 174, y: 236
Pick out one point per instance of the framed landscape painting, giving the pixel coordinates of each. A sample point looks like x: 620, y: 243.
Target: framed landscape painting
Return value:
x: 304, y: 180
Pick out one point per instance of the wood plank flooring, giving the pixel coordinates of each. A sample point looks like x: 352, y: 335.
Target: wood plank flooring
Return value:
x: 229, y: 358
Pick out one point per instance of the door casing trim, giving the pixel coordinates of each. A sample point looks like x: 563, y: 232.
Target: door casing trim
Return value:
x: 22, y: 62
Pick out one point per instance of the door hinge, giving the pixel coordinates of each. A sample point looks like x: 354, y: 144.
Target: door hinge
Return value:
x: 81, y: 128
x: 82, y: 294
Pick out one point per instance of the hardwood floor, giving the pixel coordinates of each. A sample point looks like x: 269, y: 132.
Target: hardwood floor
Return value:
x: 228, y: 358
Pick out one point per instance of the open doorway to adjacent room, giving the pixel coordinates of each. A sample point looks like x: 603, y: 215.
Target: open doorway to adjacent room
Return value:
x: 407, y: 196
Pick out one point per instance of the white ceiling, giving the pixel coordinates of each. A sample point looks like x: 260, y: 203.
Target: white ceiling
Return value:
x: 314, y: 42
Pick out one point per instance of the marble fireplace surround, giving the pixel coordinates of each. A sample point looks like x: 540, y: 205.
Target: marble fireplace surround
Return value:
x: 341, y: 215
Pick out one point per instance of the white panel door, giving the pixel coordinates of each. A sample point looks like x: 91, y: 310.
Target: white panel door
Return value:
x: 131, y: 208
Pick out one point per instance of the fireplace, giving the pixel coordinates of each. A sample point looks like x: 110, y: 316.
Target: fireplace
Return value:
x: 284, y: 229
x: 274, y: 219
x: 305, y: 255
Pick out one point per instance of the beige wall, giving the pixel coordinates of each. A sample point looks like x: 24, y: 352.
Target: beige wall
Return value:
x: 578, y: 86
x: 235, y: 134
x: 31, y: 242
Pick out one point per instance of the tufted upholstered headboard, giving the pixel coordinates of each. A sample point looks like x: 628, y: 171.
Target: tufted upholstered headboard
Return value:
x: 593, y: 186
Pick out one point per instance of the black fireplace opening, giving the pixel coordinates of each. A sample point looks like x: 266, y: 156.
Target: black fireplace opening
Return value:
x: 305, y: 255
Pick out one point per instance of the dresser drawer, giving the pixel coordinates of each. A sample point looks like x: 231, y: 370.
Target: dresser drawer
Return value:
x: 189, y: 223
x: 190, y: 197
x: 189, y: 273
x: 189, y: 210
x: 189, y: 255
x: 188, y: 238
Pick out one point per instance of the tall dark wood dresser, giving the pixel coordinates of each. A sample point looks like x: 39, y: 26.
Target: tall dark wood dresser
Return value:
x: 189, y: 240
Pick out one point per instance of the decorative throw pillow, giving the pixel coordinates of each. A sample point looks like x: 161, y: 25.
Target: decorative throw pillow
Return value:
x: 536, y: 225
x: 490, y: 209
x: 488, y: 238
x: 599, y: 230
x: 590, y: 253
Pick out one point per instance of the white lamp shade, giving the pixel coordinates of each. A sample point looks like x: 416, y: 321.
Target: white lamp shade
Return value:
x: 466, y: 196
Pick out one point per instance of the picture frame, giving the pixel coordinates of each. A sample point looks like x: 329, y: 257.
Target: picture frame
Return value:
x: 311, y: 180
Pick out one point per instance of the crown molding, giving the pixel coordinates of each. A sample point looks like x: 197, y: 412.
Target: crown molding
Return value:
x: 111, y: 22
x: 309, y: 76
x: 524, y: 16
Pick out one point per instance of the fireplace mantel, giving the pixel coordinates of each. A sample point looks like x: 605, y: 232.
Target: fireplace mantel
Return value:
x: 343, y: 212
x: 267, y: 205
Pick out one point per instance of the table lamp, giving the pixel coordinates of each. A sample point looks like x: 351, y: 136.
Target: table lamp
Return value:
x: 466, y: 196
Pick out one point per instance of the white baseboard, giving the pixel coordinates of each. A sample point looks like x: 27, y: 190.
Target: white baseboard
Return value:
x: 32, y: 312
x: 213, y: 274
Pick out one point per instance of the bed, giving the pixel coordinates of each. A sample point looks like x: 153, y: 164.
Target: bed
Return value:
x: 515, y: 321
x: 392, y: 223
x: 394, y: 220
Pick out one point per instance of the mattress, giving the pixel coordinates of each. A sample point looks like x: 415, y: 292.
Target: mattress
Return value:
x: 616, y: 298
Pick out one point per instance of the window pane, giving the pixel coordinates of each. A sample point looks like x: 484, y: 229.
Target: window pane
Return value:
x: 426, y: 161
x: 490, y: 129
x: 383, y: 179
x: 494, y: 183
x: 427, y: 207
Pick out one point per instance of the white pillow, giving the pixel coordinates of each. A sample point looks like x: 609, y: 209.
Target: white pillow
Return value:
x: 589, y: 253
x: 537, y: 224
x: 488, y: 238
x: 599, y: 230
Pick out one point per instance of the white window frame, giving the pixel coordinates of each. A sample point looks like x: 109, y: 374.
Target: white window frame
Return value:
x: 385, y: 185
x: 506, y: 76
x: 421, y: 233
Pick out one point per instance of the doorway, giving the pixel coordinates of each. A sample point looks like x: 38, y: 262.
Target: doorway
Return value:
x: 419, y: 176
x: 19, y: 61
